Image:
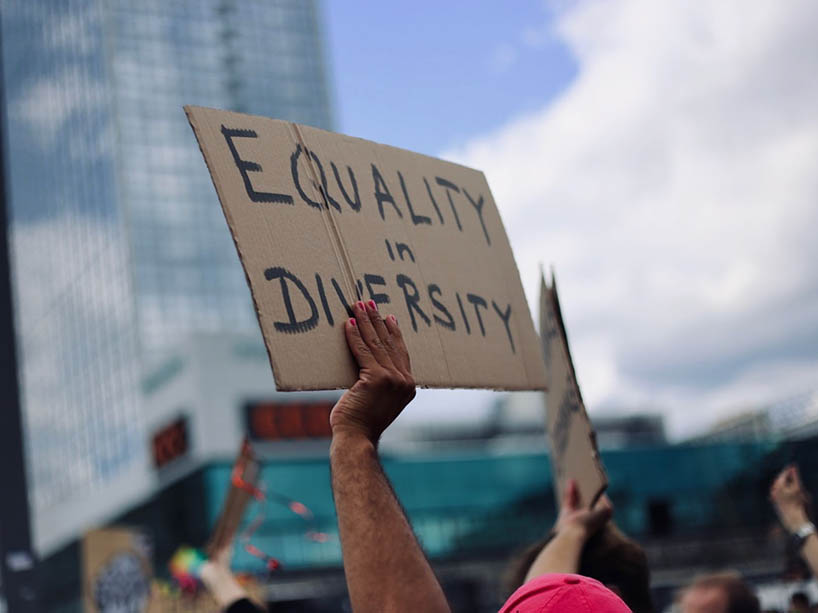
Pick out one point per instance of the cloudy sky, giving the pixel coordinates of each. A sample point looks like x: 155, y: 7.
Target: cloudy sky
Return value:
x: 663, y: 156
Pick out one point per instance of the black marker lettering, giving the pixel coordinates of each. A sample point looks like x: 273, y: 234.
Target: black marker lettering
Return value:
x: 568, y: 407
x: 292, y: 326
x: 505, y: 316
x: 478, y: 301
x: 434, y: 202
x: 294, y: 170
x: 450, y: 187
x: 246, y: 166
x: 382, y: 192
x: 449, y: 321
x: 355, y: 204
x: 416, y: 219
x: 359, y: 288
x: 478, y: 206
x: 463, y: 313
x: 412, y: 298
x: 323, y: 296
x: 341, y: 297
x: 324, y: 189
x: 404, y: 248
x: 389, y: 250
x: 371, y: 280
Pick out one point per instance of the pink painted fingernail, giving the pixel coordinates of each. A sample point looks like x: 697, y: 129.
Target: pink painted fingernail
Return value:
x: 394, y: 319
x: 372, y: 305
x: 352, y: 322
x: 360, y: 305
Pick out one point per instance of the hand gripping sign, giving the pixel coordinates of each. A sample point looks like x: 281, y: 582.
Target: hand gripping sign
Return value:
x: 322, y: 220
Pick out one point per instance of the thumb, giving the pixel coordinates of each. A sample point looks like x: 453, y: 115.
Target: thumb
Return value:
x: 598, y: 517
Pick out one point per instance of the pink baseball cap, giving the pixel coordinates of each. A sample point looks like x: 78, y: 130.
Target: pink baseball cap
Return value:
x: 555, y: 593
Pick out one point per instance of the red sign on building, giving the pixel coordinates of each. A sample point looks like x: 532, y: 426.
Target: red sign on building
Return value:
x: 170, y: 442
x: 276, y: 421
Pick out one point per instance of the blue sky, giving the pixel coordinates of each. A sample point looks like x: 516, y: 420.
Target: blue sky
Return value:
x: 427, y: 76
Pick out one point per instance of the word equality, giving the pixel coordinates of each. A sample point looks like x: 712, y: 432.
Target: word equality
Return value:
x: 305, y: 163
x: 425, y: 305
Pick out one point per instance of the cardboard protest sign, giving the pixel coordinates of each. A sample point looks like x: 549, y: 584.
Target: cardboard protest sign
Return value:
x: 117, y: 572
x: 243, y: 486
x: 574, y: 454
x: 321, y: 220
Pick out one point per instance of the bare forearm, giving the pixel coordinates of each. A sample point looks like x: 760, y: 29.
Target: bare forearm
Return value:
x: 810, y: 553
x: 560, y: 555
x: 384, y: 564
x: 222, y: 584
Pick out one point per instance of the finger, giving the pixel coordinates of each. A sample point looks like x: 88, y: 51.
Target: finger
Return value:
x: 796, y: 476
x: 571, y: 498
x: 357, y: 345
x: 381, y: 330
x: 370, y: 337
x: 401, y: 353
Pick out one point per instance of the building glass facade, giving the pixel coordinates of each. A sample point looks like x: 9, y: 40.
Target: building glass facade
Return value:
x: 254, y: 56
x: 74, y: 311
x: 119, y: 245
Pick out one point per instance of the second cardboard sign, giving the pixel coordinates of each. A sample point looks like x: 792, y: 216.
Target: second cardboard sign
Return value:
x: 571, y: 438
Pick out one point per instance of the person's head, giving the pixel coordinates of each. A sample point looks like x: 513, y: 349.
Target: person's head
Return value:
x: 610, y: 557
x: 555, y: 593
x: 799, y: 603
x: 719, y: 593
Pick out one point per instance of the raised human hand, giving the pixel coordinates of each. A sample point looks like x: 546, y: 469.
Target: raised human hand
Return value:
x: 577, y: 520
x: 789, y: 498
x: 385, y: 384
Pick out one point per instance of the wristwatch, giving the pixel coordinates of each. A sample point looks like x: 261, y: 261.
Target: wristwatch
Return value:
x: 800, y: 534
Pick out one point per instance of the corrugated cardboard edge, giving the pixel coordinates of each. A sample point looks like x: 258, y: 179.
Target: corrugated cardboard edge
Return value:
x: 336, y: 237
x: 528, y: 372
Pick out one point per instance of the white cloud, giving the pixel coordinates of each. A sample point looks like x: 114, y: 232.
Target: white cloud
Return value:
x: 673, y: 184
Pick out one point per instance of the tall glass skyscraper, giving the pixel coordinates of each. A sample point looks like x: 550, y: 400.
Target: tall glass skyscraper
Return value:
x: 120, y: 249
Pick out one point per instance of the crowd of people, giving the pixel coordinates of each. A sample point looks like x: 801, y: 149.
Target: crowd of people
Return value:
x: 585, y: 564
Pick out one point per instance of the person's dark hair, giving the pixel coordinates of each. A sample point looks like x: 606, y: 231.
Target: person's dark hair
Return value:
x: 740, y: 598
x: 799, y: 598
x: 609, y: 556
